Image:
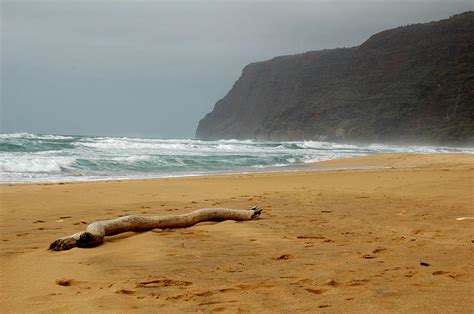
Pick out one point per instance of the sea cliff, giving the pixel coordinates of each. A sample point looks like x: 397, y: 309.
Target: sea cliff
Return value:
x: 414, y: 83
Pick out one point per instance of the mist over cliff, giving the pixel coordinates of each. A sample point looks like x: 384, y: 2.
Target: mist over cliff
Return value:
x: 414, y: 83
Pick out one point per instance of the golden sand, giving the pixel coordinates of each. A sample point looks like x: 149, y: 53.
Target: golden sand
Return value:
x: 370, y: 240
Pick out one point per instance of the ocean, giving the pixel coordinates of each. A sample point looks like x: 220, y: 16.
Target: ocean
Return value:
x: 32, y: 158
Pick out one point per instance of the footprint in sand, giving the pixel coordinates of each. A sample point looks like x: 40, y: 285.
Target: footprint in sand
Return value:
x: 332, y: 283
x: 227, y: 290
x: 125, y: 291
x: 67, y: 282
x: 316, y: 291
x: 284, y: 257
x: 181, y: 297
x: 305, y: 281
x: 410, y: 274
x: 213, y: 292
x: 252, y: 286
x: 311, y: 237
x: 80, y: 223
x: 379, y: 250
x: 217, y: 302
x: 448, y: 274
x: 356, y: 282
x: 205, y: 293
x: 154, y: 283
x: 230, y: 269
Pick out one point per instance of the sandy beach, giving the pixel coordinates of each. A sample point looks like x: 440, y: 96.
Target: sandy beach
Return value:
x: 382, y: 239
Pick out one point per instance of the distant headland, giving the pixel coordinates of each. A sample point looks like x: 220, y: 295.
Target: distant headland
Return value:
x: 414, y: 83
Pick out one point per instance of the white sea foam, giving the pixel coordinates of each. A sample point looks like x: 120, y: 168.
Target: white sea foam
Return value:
x: 326, y: 145
x: 234, y: 141
x: 33, y: 136
x: 28, y: 164
x: 31, y: 158
x: 120, y: 144
x: 132, y: 159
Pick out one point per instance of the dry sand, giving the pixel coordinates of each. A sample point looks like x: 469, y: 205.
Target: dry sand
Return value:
x: 332, y: 241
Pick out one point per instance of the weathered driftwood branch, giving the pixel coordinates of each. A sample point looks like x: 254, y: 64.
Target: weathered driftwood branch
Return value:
x: 95, y: 232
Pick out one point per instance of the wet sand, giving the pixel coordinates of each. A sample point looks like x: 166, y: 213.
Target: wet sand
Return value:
x: 370, y: 240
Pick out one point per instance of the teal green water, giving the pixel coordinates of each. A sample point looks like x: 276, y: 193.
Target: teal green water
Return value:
x: 36, y: 158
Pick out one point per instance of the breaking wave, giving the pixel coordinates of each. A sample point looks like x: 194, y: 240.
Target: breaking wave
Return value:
x: 28, y: 157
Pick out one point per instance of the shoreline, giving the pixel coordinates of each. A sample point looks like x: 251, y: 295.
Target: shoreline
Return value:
x: 284, y: 169
x: 353, y: 163
x: 377, y: 240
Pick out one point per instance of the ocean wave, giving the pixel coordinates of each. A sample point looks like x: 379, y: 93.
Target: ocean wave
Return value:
x: 132, y: 144
x: 133, y: 158
x: 234, y: 141
x: 26, y: 157
x: 326, y: 145
x: 419, y: 149
x: 28, y: 164
x: 268, y: 166
x: 33, y: 136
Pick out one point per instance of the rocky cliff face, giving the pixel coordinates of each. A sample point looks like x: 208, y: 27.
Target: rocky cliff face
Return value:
x: 410, y: 84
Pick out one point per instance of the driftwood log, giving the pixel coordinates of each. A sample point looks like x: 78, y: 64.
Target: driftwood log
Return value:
x: 96, y: 231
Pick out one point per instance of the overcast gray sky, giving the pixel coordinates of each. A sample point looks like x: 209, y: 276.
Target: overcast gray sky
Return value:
x: 154, y: 68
